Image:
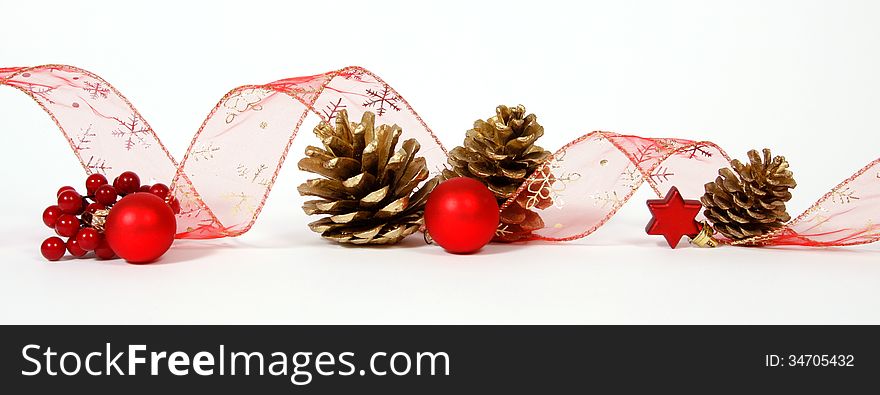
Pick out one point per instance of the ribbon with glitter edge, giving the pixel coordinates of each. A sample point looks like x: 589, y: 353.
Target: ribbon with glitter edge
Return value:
x: 226, y: 174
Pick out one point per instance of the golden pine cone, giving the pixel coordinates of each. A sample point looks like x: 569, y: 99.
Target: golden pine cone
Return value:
x: 749, y: 200
x: 501, y: 153
x: 367, y: 189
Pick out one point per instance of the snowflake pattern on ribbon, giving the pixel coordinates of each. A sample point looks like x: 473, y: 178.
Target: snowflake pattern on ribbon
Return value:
x: 382, y: 101
x: 133, y: 132
x: 549, y: 183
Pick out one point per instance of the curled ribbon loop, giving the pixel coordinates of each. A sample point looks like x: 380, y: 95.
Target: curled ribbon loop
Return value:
x: 228, y: 170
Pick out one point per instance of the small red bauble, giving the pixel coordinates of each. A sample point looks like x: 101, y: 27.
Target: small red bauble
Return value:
x: 175, y: 205
x: 461, y: 215
x: 67, y: 225
x: 64, y: 188
x: 93, y: 182
x: 140, y: 227
x: 50, y: 215
x: 70, y: 202
x: 160, y: 190
x: 74, y: 248
x: 106, y: 195
x: 53, y: 248
x: 94, y: 207
x: 88, y: 238
x: 127, y: 182
x: 103, y: 250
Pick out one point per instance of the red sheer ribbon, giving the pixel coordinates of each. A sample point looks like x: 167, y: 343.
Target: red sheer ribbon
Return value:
x: 227, y: 172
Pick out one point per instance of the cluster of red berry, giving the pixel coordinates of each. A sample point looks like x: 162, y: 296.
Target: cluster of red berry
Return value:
x: 73, y: 216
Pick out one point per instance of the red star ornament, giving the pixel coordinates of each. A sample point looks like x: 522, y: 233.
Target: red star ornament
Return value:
x: 673, y: 217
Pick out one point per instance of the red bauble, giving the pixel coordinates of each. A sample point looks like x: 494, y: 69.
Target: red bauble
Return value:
x: 160, y: 190
x: 105, y: 194
x: 64, y: 188
x: 127, y: 182
x: 461, y: 215
x: 103, y: 250
x: 94, y: 207
x: 67, y: 225
x: 53, y: 248
x: 74, y: 248
x: 70, y: 202
x: 88, y: 239
x: 175, y: 205
x: 50, y: 215
x: 140, y: 227
x: 93, y: 182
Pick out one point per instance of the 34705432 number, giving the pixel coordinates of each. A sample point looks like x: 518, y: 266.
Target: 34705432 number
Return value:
x: 809, y: 360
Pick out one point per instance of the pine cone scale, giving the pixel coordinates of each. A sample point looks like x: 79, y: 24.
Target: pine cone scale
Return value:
x: 329, y: 207
x: 514, y: 174
x: 374, y: 198
x: 393, y: 208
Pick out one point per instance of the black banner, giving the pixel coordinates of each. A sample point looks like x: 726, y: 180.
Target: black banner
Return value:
x: 437, y: 359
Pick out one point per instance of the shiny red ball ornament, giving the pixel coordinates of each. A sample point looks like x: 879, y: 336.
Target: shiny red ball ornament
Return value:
x: 74, y: 248
x: 53, y: 248
x: 175, y: 205
x: 160, y: 190
x: 94, y: 207
x: 93, y: 182
x: 127, y: 182
x: 50, y: 215
x: 70, y: 202
x: 103, y: 250
x: 64, y: 188
x: 105, y: 194
x: 88, y: 238
x: 461, y: 215
x: 140, y: 227
x: 67, y: 225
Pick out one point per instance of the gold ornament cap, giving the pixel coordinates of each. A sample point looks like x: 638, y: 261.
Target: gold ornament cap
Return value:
x: 704, y: 239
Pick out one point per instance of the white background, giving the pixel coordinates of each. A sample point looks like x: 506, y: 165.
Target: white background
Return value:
x: 800, y: 77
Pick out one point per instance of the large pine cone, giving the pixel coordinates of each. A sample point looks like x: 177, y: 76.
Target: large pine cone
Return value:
x: 501, y: 153
x: 749, y: 200
x: 368, y: 187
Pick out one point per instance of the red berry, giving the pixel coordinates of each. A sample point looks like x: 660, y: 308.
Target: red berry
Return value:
x: 160, y: 190
x: 67, y: 225
x: 93, y: 182
x: 50, y: 215
x: 144, y: 188
x: 53, y: 248
x: 70, y: 202
x: 65, y: 188
x: 103, y: 250
x: 88, y: 239
x: 92, y: 207
x: 175, y: 205
x: 106, y: 195
x: 74, y: 248
x: 127, y: 182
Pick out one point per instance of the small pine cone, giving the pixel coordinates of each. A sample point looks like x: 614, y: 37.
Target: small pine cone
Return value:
x: 367, y: 189
x: 749, y: 200
x: 501, y: 153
